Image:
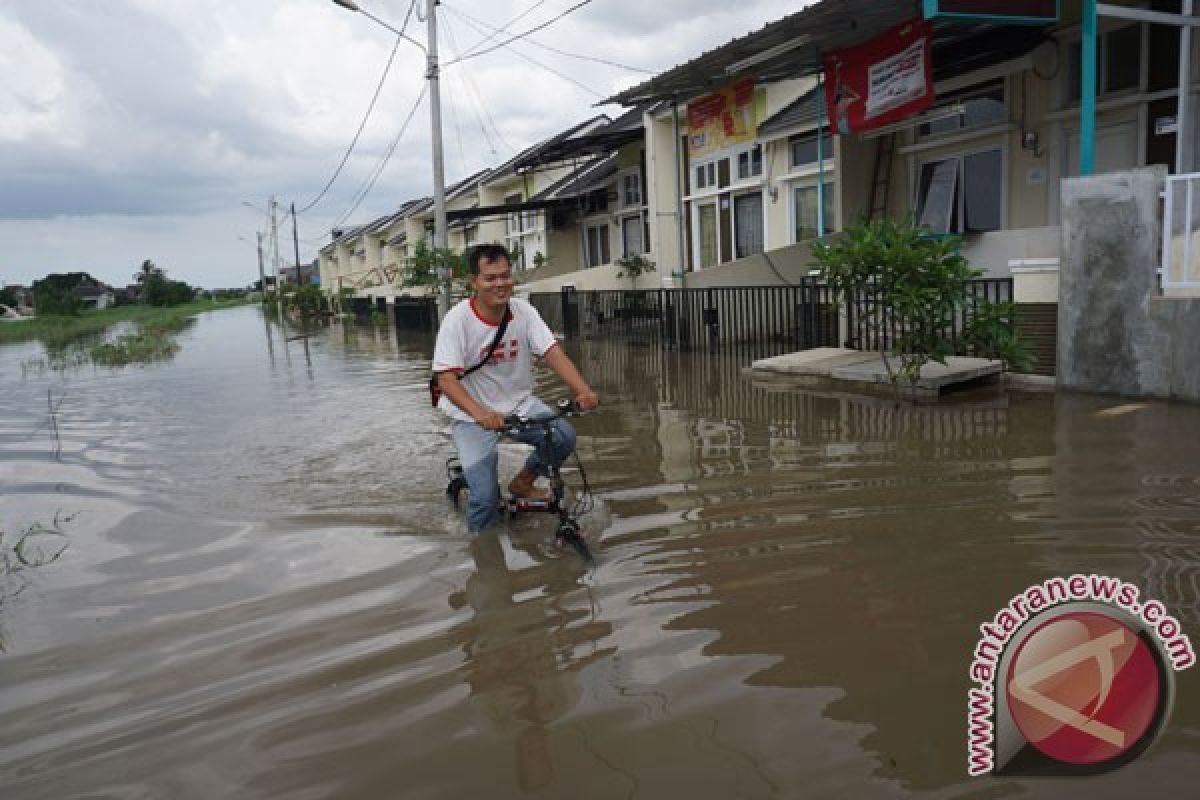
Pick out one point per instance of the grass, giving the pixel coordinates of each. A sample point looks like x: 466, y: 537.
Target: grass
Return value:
x: 57, y: 332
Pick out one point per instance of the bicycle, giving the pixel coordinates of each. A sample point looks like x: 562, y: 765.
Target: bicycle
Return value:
x: 568, y: 530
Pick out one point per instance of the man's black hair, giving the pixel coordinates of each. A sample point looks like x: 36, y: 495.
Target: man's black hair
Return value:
x: 486, y: 252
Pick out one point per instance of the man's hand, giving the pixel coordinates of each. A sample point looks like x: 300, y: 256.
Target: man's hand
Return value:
x: 490, y: 420
x: 587, y: 400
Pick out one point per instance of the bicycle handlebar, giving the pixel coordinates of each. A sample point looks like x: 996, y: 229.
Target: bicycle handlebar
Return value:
x: 563, y: 408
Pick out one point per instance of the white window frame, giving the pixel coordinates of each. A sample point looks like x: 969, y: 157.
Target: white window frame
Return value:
x: 622, y: 176
x: 815, y: 165
x: 1071, y: 40
x: 697, y: 245
x: 641, y: 219
x: 918, y: 165
x: 588, y: 226
x: 957, y: 96
x: 733, y: 222
x: 747, y: 151
x: 810, y: 181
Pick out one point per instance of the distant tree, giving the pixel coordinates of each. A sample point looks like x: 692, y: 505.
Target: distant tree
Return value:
x: 8, y: 297
x: 57, y: 293
x: 158, y: 290
x: 148, y: 270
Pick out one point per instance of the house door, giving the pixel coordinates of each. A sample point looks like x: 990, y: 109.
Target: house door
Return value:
x: 748, y: 224
x: 707, y: 225
x: 1116, y: 149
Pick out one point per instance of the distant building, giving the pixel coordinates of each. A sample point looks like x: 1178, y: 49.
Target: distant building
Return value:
x: 301, y: 275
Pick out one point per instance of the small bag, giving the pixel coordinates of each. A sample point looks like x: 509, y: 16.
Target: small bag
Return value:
x: 435, y: 391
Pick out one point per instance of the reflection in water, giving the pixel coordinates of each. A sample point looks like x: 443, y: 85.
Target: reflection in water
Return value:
x: 267, y: 596
x: 524, y: 649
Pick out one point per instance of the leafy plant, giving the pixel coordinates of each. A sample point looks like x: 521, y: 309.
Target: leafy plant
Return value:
x: 306, y: 299
x: 634, y: 266
x: 991, y: 333
x: 421, y: 268
x: 904, y: 278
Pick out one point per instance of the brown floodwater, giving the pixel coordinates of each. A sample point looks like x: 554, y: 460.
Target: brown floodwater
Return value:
x: 264, y: 593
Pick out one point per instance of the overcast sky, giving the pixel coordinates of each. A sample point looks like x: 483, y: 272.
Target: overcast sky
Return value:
x: 136, y: 129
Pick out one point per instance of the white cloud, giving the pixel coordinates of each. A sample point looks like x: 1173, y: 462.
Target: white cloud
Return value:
x: 134, y: 129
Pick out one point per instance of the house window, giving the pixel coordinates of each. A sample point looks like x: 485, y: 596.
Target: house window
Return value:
x: 596, y: 202
x: 982, y: 106
x: 804, y: 210
x: 597, y: 245
x: 1118, y: 63
x: 631, y: 189
x: 632, y: 238
x: 748, y: 224
x: 512, y: 222
x: 750, y: 163
x: 706, y: 175
x: 804, y: 149
x: 962, y: 194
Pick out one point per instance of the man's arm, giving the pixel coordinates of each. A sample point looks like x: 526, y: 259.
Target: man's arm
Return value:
x: 561, y: 363
x: 451, y: 387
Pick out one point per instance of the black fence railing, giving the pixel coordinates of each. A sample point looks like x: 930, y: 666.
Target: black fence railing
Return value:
x: 872, y: 327
x: 755, y: 320
x: 759, y: 321
x: 415, y: 313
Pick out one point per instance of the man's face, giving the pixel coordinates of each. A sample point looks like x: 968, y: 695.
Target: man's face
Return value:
x: 494, y: 283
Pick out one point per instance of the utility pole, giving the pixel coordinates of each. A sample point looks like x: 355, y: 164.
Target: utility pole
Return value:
x: 296, y: 246
x: 440, y: 233
x: 440, y: 238
x: 262, y: 278
x: 274, y: 245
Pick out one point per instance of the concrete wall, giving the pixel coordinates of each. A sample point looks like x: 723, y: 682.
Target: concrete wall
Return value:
x: 1117, y: 334
x: 792, y: 263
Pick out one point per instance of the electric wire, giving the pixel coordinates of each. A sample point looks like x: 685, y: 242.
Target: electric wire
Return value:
x: 521, y: 35
x: 504, y: 28
x: 544, y: 66
x: 536, y: 43
x: 462, y: 79
x: 477, y: 102
x: 367, y: 116
x: 370, y: 183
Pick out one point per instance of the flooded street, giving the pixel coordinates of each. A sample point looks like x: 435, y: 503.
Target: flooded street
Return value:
x: 264, y: 592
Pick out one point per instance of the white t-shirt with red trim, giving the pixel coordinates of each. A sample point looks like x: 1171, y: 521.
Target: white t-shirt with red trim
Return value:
x: 505, y: 385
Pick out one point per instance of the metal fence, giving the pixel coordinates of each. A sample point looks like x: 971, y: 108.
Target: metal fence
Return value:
x: 1180, y: 268
x: 871, y: 327
x: 415, y: 313
x: 758, y: 321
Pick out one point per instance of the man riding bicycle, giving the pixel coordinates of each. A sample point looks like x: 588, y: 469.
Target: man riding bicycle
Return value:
x: 483, y: 361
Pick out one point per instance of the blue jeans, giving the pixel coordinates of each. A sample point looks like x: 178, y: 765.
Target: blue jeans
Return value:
x: 477, y: 452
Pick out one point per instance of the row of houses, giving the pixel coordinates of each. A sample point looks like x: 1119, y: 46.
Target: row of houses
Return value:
x: 717, y: 173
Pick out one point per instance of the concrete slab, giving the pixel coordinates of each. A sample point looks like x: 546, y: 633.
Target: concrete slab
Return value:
x: 934, y: 376
x: 819, y: 361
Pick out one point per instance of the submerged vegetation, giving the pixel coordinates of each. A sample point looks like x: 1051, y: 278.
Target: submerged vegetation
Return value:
x: 37, y: 545
x: 59, y: 331
x: 73, y: 342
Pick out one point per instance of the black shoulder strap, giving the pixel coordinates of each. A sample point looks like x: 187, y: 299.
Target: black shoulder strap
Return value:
x: 495, y: 342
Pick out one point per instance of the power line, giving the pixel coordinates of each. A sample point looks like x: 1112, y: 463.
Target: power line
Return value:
x: 366, y: 189
x: 521, y: 35
x: 504, y: 28
x: 568, y: 54
x: 473, y: 99
x: 546, y: 67
x: 370, y: 108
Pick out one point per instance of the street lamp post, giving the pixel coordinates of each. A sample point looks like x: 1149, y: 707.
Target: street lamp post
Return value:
x: 440, y: 239
x: 262, y: 277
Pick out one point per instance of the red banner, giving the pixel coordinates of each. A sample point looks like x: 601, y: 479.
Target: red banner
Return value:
x: 885, y: 80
